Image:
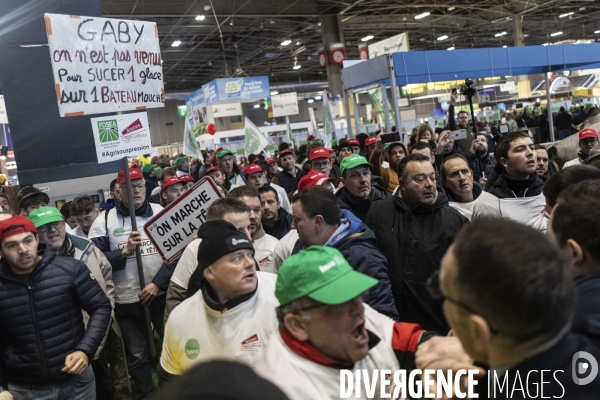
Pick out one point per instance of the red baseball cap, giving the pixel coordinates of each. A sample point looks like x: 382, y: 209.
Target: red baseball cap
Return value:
x: 353, y: 142
x: 271, y: 160
x: 313, y: 178
x: 134, y: 173
x: 19, y: 224
x: 587, y: 133
x: 370, y: 140
x: 213, y: 169
x: 252, y: 169
x: 286, y: 151
x: 319, y: 152
x: 186, y: 178
x: 170, y: 182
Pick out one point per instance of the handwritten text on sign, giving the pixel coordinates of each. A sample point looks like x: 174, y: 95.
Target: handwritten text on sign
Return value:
x: 104, y: 65
x: 173, y: 228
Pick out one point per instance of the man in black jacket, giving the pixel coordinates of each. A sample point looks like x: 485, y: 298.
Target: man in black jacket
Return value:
x: 45, y: 347
x: 358, y: 192
x: 276, y: 221
x: 319, y: 221
x: 287, y: 178
x: 413, y: 229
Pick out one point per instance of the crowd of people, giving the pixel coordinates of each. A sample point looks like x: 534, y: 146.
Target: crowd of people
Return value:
x: 370, y: 255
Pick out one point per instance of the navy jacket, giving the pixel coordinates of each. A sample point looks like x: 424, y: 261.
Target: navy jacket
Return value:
x: 42, y: 323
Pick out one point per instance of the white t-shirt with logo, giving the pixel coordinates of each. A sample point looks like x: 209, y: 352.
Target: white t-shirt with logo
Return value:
x: 263, y: 252
x: 196, y: 333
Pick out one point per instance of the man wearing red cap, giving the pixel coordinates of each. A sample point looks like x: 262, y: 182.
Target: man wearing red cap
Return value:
x: 172, y: 189
x: 588, y: 138
x: 370, y: 144
x: 187, y: 180
x: 288, y: 177
x: 46, y: 347
x: 115, y: 232
x: 255, y: 177
x: 319, y: 160
x: 354, y: 145
x: 273, y: 168
x: 218, y: 176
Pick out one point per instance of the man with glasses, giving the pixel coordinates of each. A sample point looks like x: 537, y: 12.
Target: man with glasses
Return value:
x: 172, y: 189
x: 31, y: 198
x: 116, y: 232
x: 325, y: 327
x: 588, y: 138
x: 320, y: 161
x: 227, y: 161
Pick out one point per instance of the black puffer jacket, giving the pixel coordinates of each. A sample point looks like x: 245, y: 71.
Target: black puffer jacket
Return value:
x: 360, y: 207
x: 42, y: 324
x: 506, y: 187
x: 414, y: 242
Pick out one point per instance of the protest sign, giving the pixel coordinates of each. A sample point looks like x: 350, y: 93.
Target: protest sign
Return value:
x: 172, y: 229
x: 285, y: 104
x: 104, y: 65
x: 117, y: 136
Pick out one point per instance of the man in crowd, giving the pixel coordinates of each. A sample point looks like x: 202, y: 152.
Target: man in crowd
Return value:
x: 172, y: 189
x: 264, y: 244
x: 395, y: 151
x: 150, y: 178
x: 218, y: 176
x: 113, y: 197
x: 319, y: 161
x: 233, y: 176
x: 413, y: 229
x: 463, y: 193
x: 187, y: 180
x: 354, y: 145
x: 183, y: 165
x: 558, y: 182
x: 46, y: 347
x: 130, y: 298
x: 227, y: 209
x: 344, y: 149
x: 479, y: 159
x: 255, y: 178
x: 85, y: 213
x: 273, y: 168
x: 231, y: 316
x: 425, y: 149
x: 541, y: 166
x: 563, y: 122
x: 4, y: 204
x: 31, y: 198
x: 325, y: 327
x: 65, y: 210
x: 52, y: 232
x: 370, y: 144
x: 580, y: 117
x: 277, y: 222
x: 461, y: 123
x: 319, y: 222
x: 358, y: 192
x: 588, y: 138
x: 287, y: 178
x: 510, y: 121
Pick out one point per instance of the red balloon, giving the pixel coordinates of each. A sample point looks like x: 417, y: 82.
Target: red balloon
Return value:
x: 211, y: 129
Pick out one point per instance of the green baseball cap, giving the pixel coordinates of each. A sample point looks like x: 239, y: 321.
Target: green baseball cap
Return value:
x: 353, y: 161
x: 224, y: 152
x: 389, y: 145
x: 147, y: 168
x: 179, y: 161
x: 321, y: 273
x: 158, y: 170
x: 45, y: 215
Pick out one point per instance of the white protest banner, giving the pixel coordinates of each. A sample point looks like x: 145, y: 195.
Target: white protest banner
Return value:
x: 254, y: 140
x: 398, y: 43
x: 285, y: 104
x: 3, y: 116
x: 104, y: 65
x: 227, y: 110
x: 191, y: 147
x: 172, y: 229
x: 117, y: 136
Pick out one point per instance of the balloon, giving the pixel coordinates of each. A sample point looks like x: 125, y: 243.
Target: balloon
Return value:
x: 211, y: 129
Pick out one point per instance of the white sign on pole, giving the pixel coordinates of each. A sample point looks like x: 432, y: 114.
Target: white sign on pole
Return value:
x: 104, y: 65
x: 172, y: 229
x: 398, y: 43
x: 3, y: 116
x: 117, y: 136
x: 227, y: 110
x: 285, y: 104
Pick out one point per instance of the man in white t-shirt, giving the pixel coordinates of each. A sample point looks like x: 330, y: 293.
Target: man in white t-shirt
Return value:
x: 232, y: 316
x: 324, y: 328
x: 231, y: 210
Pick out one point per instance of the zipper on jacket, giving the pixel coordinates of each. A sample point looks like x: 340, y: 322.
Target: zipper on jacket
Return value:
x: 37, y: 332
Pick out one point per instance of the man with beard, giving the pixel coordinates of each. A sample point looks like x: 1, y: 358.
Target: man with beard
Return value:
x: 277, y: 222
x: 541, y: 166
x: 395, y: 151
x: 461, y: 123
x: 479, y: 159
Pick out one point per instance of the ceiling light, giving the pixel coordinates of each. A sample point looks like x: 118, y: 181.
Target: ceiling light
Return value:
x: 274, y: 92
x: 367, y: 38
x: 298, y: 43
x: 200, y: 17
x: 566, y: 15
x: 297, y: 67
x: 286, y: 42
x: 318, y: 97
x: 597, y: 32
x: 450, y: 48
x: 311, y: 101
x: 422, y: 15
x: 257, y: 106
x: 176, y: 43
x: 206, y: 7
x: 451, y: 8
x: 443, y: 37
x: 556, y: 33
x: 545, y: 44
x: 500, y: 34
x: 505, y: 46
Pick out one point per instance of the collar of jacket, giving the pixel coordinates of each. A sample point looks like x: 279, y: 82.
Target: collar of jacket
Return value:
x: 211, y: 299
x: 583, y: 158
x: 145, y: 211
x: 521, y: 184
x: 260, y: 232
x: 47, y: 252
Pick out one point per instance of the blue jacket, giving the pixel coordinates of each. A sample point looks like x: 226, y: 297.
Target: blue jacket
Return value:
x: 42, y: 322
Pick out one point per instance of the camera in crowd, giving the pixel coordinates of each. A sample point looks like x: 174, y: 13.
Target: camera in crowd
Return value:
x: 467, y: 89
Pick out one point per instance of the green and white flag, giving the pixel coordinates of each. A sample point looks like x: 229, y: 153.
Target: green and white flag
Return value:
x: 191, y: 147
x: 328, y: 126
x: 254, y: 140
x: 289, y: 130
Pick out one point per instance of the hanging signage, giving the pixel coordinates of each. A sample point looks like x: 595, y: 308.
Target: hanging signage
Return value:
x: 236, y: 89
x: 3, y: 116
x: 117, y: 136
x: 322, y: 58
x: 363, y: 52
x: 172, y: 229
x: 285, y: 104
x: 338, y: 53
x: 104, y: 65
x: 398, y: 43
x: 227, y: 110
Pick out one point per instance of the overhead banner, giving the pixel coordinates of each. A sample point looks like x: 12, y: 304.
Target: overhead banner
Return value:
x: 172, y: 229
x: 104, y: 65
x: 285, y: 104
x: 236, y: 89
x: 227, y: 110
x: 398, y: 43
x: 117, y: 136
x: 3, y: 116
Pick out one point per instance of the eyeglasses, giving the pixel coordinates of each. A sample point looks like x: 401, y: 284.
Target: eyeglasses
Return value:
x: 433, y: 287
x: 134, y: 187
x: 320, y: 164
x: 589, y: 141
x: 55, y: 225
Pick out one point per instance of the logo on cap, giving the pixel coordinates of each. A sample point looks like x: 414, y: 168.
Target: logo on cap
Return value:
x: 235, y: 241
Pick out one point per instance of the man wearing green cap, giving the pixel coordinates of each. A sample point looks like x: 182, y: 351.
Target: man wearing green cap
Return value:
x: 324, y: 327
x: 227, y: 161
x: 394, y: 152
x: 183, y: 165
x: 149, y: 172
x: 358, y: 192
